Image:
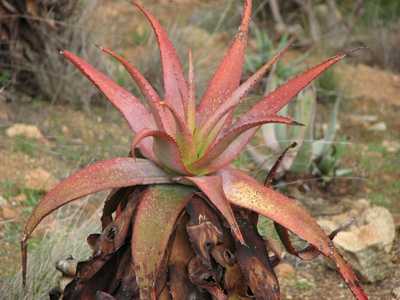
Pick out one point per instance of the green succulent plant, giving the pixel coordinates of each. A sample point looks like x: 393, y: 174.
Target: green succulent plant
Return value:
x: 318, y: 156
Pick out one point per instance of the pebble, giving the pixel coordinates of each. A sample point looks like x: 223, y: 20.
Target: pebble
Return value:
x: 380, y: 126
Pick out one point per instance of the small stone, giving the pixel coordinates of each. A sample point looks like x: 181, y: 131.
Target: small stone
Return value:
x: 65, y: 130
x: 284, y: 270
x: 396, y: 293
x: 363, y: 119
x: 368, y: 242
x: 391, y: 146
x: 380, y: 126
x: 8, y: 212
x: 25, y: 130
x: 360, y: 205
x: 39, y: 179
x: 19, y: 198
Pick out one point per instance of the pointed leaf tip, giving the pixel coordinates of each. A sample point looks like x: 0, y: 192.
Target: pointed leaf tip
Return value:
x: 103, y: 175
x: 227, y: 77
x: 352, y: 51
x: 276, y: 100
x: 175, y: 85
x: 145, y: 87
x: 131, y: 108
x: 234, y: 99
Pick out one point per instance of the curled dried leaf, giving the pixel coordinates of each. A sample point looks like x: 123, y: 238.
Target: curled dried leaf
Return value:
x: 261, y: 280
x: 204, y: 229
x: 180, y: 286
x: 205, y: 277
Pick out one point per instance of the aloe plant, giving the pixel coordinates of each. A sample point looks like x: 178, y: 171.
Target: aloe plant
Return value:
x: 180, y: 223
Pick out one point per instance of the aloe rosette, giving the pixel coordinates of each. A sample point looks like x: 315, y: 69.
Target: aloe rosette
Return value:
x: 180, y: 221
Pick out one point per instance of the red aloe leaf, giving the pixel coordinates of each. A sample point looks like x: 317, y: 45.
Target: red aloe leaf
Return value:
x: 211, y: 186
x: 276, y: 100
x: 117, y: 172
x: 230, y: 153
x: 270, y: 105
x: 242, y: 190
x: 348, y: 275
x: 145, y: 87
x: 165, y: 148
x: 183, y: 135
x: 156, y: 216
x: 134, y: 112
x: 241, y: 92
x: 176, y: 90
x: 225, y: 141
x: 227, y: 77
x: 191, y: 104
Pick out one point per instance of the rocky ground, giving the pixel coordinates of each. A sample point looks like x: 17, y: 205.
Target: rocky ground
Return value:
x: 42, y: 143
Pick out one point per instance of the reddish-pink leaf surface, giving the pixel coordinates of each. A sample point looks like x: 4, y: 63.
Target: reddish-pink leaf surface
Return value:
x: 145, y: 87
x: 165, y: 148
x: 191, y: 103
x: 258, y: 114
x: 226, y: 139
x: 241, y: 92
x: 134, y: 112
x: 233, y: 150
x: 211, y: 186
x: 175, y: 85
x: 183, y: 134
x: 242, y: 190
x: 227, y: 77
x: 156, y: 216
x: 276, y: 100
x: 348, y: 275
x: 117, y: 172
